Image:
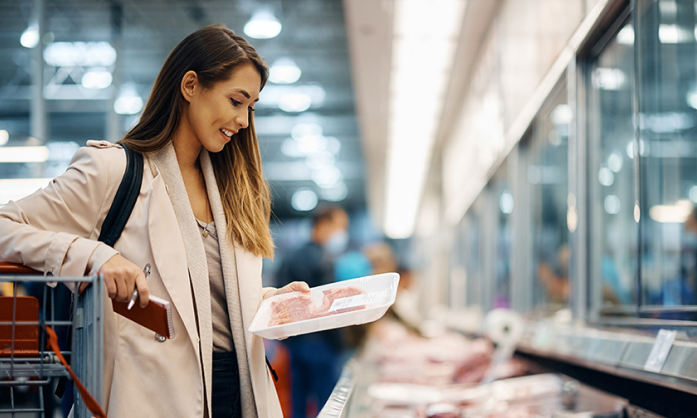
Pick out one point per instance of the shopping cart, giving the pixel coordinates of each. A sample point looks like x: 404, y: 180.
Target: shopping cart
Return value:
x: 28, y: 323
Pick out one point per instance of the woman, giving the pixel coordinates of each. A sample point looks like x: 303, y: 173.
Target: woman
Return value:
x: 201, y: 221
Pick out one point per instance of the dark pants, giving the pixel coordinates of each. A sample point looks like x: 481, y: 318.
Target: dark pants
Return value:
x: 315, y: 369
x: 227, y: 402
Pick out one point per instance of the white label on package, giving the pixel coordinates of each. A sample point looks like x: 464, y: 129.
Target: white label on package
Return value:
x: 353, y: 301
x: 660, y: 350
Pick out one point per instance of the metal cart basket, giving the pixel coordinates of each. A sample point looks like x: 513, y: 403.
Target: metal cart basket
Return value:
x: 25, y: 358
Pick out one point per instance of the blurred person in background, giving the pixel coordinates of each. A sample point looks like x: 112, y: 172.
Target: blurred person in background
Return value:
x: 315, y: 359
x: 201, y: 219
x: 406, y: 305
x: 381, y: 257
x: 382, y: 260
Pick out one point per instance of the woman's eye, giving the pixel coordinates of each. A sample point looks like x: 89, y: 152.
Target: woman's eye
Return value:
x: 251, y: 109
x: 235, y: 102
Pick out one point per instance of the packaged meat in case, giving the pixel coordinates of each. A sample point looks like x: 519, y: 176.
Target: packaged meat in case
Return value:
x: 336, y: 305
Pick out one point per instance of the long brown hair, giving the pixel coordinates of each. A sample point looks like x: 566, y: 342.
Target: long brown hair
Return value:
x: 213, y: 53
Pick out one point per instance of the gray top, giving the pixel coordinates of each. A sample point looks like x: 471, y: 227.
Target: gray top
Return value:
x: 222, y: 333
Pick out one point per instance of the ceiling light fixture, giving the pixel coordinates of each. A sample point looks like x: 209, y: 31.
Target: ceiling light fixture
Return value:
x: 263, y: 25
x: 626, y: 35
x: 30, y: 37
x: 327, y: 177
x: 304, y: 200
x: 284, y: 71
x: 4, y: 137
x: 97, y: 78
x: 675, y: 213
x: 83, y: 54
x: 128, y: 102
x: 24, y: 155
x: 419, y: 25
x: 336, y: 193
x: 295, y: 102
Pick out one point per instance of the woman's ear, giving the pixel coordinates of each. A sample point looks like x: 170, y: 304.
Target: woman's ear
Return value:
x: 188, y: 85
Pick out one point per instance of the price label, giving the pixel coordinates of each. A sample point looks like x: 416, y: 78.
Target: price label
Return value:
x: 353, y: 301
x: 659, y: 352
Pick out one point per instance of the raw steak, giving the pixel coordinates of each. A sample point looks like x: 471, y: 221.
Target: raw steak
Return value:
x: 291, y: 309
x: 300, y: 307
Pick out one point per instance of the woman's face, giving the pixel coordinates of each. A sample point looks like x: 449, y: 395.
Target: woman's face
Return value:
x: 217, y: 113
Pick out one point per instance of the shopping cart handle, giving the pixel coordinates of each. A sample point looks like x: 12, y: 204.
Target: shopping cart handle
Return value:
x: 13, y: 268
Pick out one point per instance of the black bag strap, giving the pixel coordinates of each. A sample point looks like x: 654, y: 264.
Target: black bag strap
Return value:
x: 125, y: 198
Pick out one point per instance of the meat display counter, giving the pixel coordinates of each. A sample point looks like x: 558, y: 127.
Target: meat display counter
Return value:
x: 399, y: 374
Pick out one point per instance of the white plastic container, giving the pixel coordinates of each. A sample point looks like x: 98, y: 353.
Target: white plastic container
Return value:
x: 381, y: 290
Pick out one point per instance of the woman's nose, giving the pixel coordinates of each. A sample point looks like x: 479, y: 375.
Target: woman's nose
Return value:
x: 243, y: 120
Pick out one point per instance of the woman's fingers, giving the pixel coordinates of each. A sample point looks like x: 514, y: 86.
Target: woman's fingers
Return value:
x: 121, y: 276
x: 300, y: 286
x: 143, y: 290
x: 294, y: 287
x: 121, y: 288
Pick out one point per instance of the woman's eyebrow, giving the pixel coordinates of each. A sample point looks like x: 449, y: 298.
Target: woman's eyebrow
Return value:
x: 245, y: 94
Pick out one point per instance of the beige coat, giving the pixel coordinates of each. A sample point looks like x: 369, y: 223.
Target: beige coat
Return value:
x: 56, y: 229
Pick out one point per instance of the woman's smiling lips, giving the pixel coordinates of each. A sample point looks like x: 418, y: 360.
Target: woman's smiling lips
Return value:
x: 227, y: 133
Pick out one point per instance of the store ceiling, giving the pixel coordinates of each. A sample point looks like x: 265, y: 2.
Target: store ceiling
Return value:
x: 313, y: 35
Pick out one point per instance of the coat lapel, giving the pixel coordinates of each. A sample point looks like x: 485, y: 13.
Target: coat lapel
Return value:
x: 166, y: 161
x: 242, y: 276
x: 167, y: 252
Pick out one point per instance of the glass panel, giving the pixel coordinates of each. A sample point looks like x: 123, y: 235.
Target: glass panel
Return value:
x: 612, y: 228
x: 668, y: 131
x: 472, y: 254
x: 547, y: 177
x: 504, y: 238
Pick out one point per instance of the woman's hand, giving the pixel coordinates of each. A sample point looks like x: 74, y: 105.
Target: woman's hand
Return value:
x: 121, y: 277
x: 293, y: 287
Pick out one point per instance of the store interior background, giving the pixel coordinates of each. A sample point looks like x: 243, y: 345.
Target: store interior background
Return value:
x: 538, y: 155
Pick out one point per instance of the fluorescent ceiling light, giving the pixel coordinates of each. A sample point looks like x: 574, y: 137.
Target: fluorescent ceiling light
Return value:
x: 612, y: 204
x: 290, y: 148
x: 284, y: 71
x: 310, y: 144
x: 674, y: 34
x: 676, y: 213
x: 128, y: 105
x: 30, y: 37
x: 419, y: 25
x: 614, y: 162
x: 304, y: 200
x: 4, y: 137
x: 562, y: 115
x: 263, y: 25
x: 506, y: 203
x: 303, y: 129
x: 667, y: 122
x: 23, y: 154
x: 642, y: 148
x: 128, y: 102
x: 626, y: 35
x: 83, y: 54
x: 97, y: 78
x: 319, y: 160
x: 605, y: 176
x: 608, y: 78
x: 327, y: 177
x: 15, y: 189
x: 336, y: 193
x: 289, y: 96
x: 692, y: 99
x: 693, y: 194
x: 295, y: 102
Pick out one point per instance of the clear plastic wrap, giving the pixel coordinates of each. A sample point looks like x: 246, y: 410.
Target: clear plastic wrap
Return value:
x: 336, y: 305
